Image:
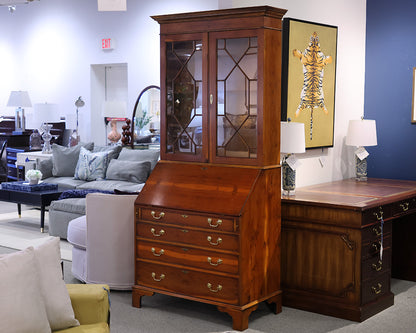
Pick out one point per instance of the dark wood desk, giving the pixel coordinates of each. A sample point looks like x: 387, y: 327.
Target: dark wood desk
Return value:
x: 331, y: 239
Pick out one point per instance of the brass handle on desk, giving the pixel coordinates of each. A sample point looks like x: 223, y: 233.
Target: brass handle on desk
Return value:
x: 219, y: 240
x: 219, y: 261
x: 379, y: 217
x: 377, y: 230
x: 162, y: 251
x: 376, y: 290
x: 405, y: 206
x: 219, y: 222
x: 162, y: 276
x: 376, y: 246
x: 219, y: 288
x: 153, y: 213
x: 161, y: 232
x: 377, y: 267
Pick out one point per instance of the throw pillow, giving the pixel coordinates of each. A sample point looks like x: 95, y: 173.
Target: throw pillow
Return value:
x: 65, y: 159
x: 52, y: 286
x: 114, y: 150
x: 22, y: 309
x: 151, y: 155
x: 45, y: 166
x: 91, y: 166
x: 136, y: 172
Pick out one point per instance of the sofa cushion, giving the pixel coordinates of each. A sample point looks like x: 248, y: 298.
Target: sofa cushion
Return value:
x: 111, y: 185
x: 136, y: 172
x: 65, y: 159
x: 45, y: 166
x: 21, y: 303
x: 139, y: 155
x: 77, y: 232
x: 113, y: 150
x: 73, y: 205
x: 68, y: 182
x: 91, y: 166
x: 52, y: 286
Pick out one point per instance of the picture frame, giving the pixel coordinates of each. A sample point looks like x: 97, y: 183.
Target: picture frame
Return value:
x: 413, y: 97
x: 308, y: 79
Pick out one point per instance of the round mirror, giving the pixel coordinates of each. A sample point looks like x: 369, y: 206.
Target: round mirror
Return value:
x: 145, y: 124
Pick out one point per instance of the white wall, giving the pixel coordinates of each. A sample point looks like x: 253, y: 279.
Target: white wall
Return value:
x: 350, y: 17
x: 47, y: 48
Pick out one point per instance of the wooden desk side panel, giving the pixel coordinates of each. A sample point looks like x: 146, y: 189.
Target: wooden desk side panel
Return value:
x: 260, y: 239
x: 321, y: 260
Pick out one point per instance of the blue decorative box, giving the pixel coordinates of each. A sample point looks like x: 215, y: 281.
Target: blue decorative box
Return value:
x: 24, y: 186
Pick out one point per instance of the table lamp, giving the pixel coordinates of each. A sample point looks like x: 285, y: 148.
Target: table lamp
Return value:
x: 114, y: 111
x: 292, y: 140
x: 361, y: 133
x: 20, y: 100
x: 46, y: 113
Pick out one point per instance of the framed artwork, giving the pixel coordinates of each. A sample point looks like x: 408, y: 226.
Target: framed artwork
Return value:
x: 308, y: 79
x: 413, y: 98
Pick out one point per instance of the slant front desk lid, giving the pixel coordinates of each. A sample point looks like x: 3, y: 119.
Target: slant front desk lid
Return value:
x: 199, y: 187
x: 352, y: 193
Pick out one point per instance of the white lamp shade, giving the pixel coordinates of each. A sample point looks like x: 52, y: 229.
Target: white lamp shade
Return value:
x: 362, y: 133
x: 19, y: 99
x: 292, y: 137
x: 114, y: 109
x: 46, y: 113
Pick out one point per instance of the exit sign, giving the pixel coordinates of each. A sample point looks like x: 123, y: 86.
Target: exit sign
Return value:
x: 107, y: 44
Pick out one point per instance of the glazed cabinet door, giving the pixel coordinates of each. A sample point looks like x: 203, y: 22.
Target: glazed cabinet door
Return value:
x: 183, y: 81
x: 233, y: 97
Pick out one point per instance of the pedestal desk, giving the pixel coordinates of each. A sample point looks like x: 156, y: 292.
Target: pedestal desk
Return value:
x: 332, y: 238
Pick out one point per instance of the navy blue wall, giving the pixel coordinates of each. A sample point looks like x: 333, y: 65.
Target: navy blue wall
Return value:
x: 390, y: 58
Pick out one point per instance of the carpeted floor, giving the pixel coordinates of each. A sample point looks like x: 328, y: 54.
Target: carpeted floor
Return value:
x: 166, y: 314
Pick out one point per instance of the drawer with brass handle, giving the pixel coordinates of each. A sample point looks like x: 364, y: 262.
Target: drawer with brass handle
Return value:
x: 404, y: 206
x: 374, y: 266
x: 161, y: 215
x: 188, y: 256
x: 373, y: 232
x: 374, y: 288
x: 208, y: 239
x: 372, y: 249
x: 187, y: 282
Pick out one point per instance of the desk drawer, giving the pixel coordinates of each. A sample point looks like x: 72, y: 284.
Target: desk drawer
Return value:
x: 373, y: 267
x: 404, y: 207
x: 209, y: 239
x: 373, y: 232
x: 188, y: 256
x: 372, y: 249
x: 187, y: 282
x: 372, y: 289
x: 211, y: 222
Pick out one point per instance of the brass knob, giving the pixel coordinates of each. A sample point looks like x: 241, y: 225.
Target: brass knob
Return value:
x: 162, y: 276
x: 405, y: 206
x: 162, y: 251
x: 218, y: 223
x: 376, y: 290
x: 377, y: 267
x: 219, y: 240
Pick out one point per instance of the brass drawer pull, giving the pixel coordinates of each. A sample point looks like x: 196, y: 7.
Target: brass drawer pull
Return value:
x: 376, y: 290
x: 161, y: 232
x: 219, y: 222
x: 377, y: 230
x: 405, y: 206
x: 379, y: 215
x: 162, y: 276
x: 153, y: 213
x: 219, y: 261
x: 162, y: 251
x: 377, y: 267
x: 376, y: 246
x: 219, y: 288
x: 219, y: 240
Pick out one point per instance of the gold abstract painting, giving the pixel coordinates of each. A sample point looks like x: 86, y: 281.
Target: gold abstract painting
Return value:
x: 308, y: 89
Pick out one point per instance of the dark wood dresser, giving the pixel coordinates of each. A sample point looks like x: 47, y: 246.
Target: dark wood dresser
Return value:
x: 341, y: 243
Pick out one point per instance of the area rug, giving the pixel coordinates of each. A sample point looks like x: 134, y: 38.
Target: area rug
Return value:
x: 19, y: 233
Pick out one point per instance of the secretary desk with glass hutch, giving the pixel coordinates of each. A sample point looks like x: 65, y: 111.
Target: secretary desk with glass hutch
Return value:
x: 207, y: 222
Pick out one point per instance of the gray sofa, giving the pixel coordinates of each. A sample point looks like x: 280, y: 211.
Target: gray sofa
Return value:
x: 85, y: 167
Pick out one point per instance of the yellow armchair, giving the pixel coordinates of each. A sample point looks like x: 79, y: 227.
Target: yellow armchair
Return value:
x: 91, y: 307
